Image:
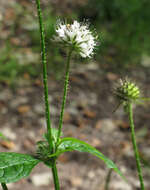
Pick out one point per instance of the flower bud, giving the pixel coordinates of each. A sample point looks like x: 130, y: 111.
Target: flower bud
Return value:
x: 127, y: 91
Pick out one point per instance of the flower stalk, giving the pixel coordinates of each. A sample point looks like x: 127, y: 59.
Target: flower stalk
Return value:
x: 44, y: 63
x: 78, y: 38
x: 65, y: 95
x: 128, y: 93
x: 47, y: 111
x: 136, y: 152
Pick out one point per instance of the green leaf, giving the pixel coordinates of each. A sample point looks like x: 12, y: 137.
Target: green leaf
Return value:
x: 14, y: 166
x: 70, y: 144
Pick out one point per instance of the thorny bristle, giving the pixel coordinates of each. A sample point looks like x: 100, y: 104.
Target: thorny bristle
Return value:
x: 127, y: 91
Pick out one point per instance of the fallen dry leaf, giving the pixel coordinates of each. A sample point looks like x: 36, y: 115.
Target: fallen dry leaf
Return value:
x: 7, y: 144
x: 122, y: 124
x: 63, y: 158
x: 10, y: 14
x: 26, y: 76
x: 81, y: 123
x: 96, y: 142
x: 15, y: 41
x: 38, y: 82
x: 88, y: 113
x: 67, y: 117
x: 76, y: 181
x: 112, y: 76
x: 23, y: 109
x: 98, y: 124
x: 28, y: 144
x: 125, y: 147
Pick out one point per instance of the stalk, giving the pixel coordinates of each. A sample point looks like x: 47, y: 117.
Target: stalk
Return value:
x: 55, y: 176
x: 136, y: 152
x: 64, y: 95
x: 47, y: 111
x: 4, y: 186
x: 108, y: 177
x: 44, y: 63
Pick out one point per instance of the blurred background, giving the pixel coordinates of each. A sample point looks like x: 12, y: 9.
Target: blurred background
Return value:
x: 124, y: 50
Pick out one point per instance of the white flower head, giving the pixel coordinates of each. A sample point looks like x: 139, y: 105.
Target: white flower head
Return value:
x: 78, y: 36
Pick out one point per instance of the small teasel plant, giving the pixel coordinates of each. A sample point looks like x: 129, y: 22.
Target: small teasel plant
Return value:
x: 128, y: 93
x: 78, y: 38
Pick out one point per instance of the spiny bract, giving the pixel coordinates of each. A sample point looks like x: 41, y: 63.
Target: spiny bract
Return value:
x: 127, y: 91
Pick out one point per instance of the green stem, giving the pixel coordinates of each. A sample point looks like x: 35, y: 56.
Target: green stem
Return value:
x: 65, y: 95
x: 136, y: 153
x: 47, y: 112
x: 44, y: 63
x: 55, y: 176
x: 4, y: 186
x: 108, y: 177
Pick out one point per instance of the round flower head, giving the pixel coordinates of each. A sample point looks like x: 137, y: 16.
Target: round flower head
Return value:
x: 127, y: 91
x: 77, y: 36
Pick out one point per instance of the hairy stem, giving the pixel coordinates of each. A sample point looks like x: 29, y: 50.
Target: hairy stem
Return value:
x: 65, y: 95
x: 55, y: 176
x: 4, y: 186
x: 47, y: 112
x: 44, y: 63
x: 136, y: 153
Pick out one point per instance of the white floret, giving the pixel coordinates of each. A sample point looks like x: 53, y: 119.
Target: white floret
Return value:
x: 78, y: 36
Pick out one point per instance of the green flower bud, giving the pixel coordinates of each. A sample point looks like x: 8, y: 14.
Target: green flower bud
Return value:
x: 127, y: 91
x: 43, y: 153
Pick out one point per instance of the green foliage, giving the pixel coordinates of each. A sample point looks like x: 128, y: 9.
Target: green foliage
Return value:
x: 71, y: 144
x: 8, y: 64
x: 123, y: 25
x: 11, y: 66
x: 14, y: 166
